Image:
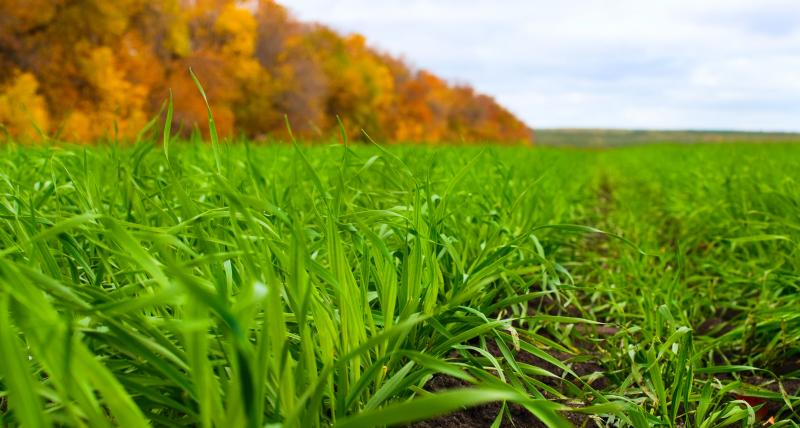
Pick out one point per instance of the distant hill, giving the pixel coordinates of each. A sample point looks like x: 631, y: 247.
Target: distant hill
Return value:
x: 92, y: 69
x: 615, y: 137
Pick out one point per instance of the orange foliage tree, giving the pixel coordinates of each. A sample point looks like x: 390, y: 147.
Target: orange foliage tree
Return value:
x: 86, y: 70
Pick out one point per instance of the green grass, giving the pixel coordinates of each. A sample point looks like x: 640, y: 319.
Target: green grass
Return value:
x: 582, y: 137
x: 243, y: 285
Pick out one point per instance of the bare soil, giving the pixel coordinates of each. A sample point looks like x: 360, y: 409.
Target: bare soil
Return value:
x: 484, y: 415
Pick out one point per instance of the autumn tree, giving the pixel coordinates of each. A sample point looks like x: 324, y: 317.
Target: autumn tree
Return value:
x: 86, y: 70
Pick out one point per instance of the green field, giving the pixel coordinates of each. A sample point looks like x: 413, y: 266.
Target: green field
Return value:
x: 627, y: 137
x: 322, y: 286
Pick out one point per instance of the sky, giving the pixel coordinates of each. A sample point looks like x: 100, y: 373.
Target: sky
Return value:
x: 656, y: 64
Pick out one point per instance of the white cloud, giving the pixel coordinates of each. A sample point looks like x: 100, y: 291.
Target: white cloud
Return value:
x: 729, y: 64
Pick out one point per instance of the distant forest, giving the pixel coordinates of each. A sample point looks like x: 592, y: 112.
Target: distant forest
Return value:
x: 85, y: 70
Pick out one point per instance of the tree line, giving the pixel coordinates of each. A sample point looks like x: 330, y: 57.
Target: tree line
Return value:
x: 85, y: 70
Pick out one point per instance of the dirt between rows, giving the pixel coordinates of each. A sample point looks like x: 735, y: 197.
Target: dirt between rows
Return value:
x: 584, y: 367
x: 484, y: 415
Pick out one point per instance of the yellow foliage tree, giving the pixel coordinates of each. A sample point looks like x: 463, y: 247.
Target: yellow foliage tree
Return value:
x: 120, y: 109
x: 23, y: 112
